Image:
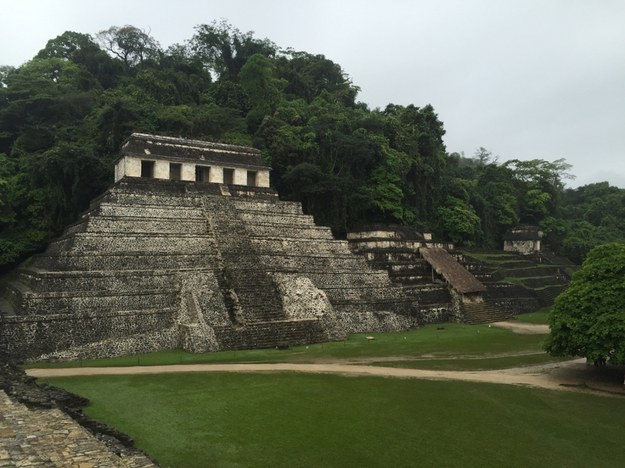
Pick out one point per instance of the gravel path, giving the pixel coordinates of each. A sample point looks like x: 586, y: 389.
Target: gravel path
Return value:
x: 572, y: 375
x: 523, y: 328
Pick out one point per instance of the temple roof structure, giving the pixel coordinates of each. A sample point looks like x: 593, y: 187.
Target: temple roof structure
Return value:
x: 182, y: 149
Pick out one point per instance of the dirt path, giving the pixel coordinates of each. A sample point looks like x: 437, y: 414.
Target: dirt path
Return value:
x: 570, y: 375
x: 523, y: 328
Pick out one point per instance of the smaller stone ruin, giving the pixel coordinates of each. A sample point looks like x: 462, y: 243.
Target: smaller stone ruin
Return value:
x: 523, y: 239
x: 434, y: 272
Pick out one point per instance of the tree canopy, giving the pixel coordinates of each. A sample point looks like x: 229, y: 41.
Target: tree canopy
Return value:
x: 65, y: 113
x: 588, y: 318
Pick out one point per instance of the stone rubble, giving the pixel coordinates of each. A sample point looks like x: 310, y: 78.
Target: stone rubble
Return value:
x: 49, y: 438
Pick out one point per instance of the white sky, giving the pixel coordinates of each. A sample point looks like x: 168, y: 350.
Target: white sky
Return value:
x: 524, y: 78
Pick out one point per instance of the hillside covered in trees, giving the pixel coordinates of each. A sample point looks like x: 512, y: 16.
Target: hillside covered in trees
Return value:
x: 64, y: 114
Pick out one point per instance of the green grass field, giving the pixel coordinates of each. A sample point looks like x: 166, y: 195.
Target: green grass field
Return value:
x: 445, y: 346
x: 307, y: 420
x: 538, y: 317
x: 286, y: 420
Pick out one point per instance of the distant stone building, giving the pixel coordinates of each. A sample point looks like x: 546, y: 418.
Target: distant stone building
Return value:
x: 523, y: 239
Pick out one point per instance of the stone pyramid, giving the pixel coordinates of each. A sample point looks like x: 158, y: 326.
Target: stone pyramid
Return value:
x: 191, y: 249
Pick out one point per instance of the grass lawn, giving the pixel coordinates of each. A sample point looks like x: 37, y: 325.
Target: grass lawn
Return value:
x: 286, y: 420
x: 538, y: 317
x: 460, y: 344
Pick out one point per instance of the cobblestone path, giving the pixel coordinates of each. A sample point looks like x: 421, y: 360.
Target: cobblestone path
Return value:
x: 50, y: 438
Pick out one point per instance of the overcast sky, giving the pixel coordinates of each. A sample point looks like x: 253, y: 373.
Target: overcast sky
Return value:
x: 525, y: 79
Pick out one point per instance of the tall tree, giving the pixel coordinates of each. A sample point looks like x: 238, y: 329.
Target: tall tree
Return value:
x: 588, y: 319
x: 129, y: 44
x: 224, y: 49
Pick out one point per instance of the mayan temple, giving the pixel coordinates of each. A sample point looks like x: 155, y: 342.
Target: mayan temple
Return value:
x: 190, y: 248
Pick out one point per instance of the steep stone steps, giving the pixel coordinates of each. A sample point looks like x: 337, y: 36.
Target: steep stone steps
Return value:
x: 304, y: 246
x: 129, y: 225
x: 271, y: 334
x: 119, y: 281
x: 111, y: 244
x: 42, y: 303
x: 280, y: 207
x: 316, y: 262
x: 252, y: 217
x: 285, y: 231
x: 129, y: 260
x: 158, y: 210
x: 483, y: 312
x: 332, y: 279
x: 256, y: 294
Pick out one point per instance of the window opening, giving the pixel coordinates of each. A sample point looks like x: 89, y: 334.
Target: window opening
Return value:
x: 251, y: 178
x: 147, y: 169
x: 202, y: 174
x: 175, y: 171
x: 228, y: 176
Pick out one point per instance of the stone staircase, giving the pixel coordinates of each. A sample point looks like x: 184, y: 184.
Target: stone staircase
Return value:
x: 256, y: 293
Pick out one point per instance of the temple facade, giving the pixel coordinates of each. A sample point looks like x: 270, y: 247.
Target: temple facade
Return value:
x: 168, y: 158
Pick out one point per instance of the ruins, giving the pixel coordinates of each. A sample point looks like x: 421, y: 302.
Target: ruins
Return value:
x: 523, y: 239
x: 190, y: 248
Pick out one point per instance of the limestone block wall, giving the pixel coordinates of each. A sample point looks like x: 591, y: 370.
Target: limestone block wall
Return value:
x: 127, y: 167
x: 33, y: 336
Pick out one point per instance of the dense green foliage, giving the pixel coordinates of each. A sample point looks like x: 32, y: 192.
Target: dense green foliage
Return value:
x: 64, y: 114
x: 284, y: 420
x: 588, y: 319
